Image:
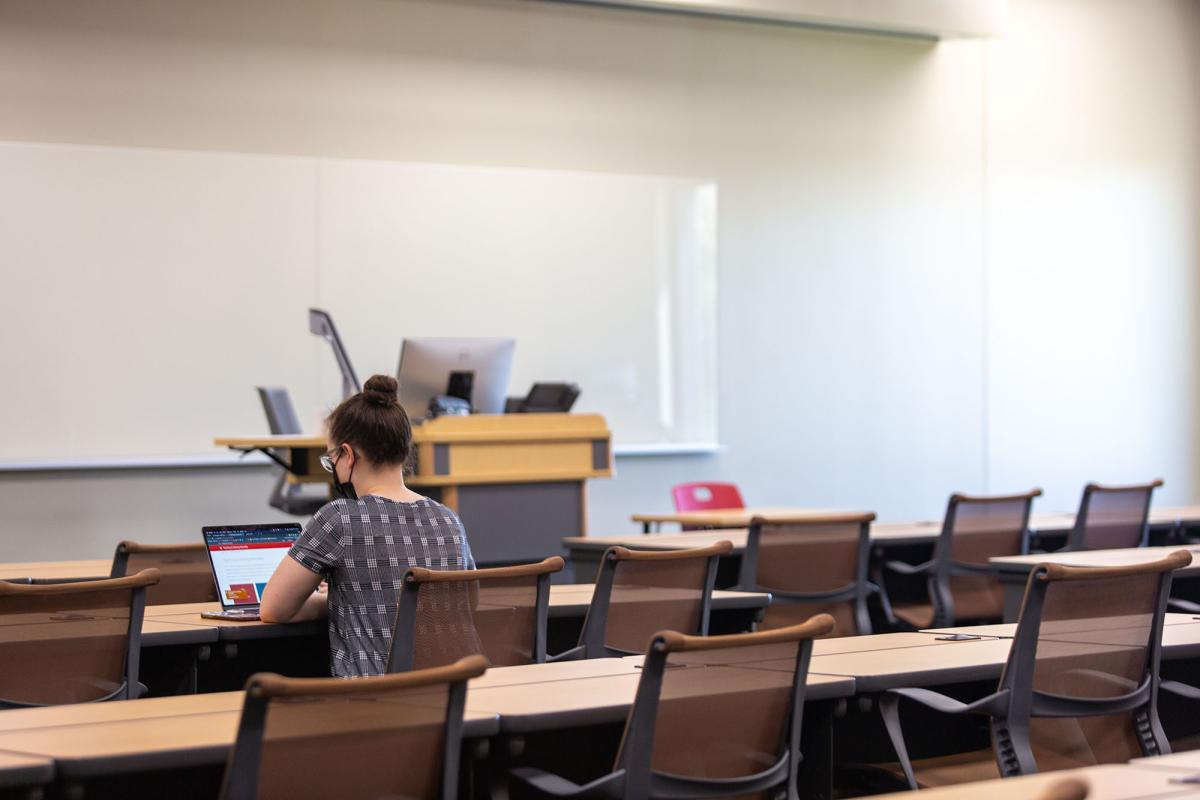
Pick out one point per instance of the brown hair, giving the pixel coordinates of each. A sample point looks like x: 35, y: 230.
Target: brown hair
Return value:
x: 374, y: 423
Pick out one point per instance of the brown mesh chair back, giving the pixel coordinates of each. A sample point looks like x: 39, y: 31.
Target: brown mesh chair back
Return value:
x: 640, y: 592
x: 380, y: 737
x: 1087, y: 647
x: 811, y: 565
x: 1094, y: 646
x: 185, y: 571
x: 964, y: 586
x: 1080, y: 684
x: 74, y: 642
x: 1113, y: 517
x: 714, y: 716
x: 445, y: 615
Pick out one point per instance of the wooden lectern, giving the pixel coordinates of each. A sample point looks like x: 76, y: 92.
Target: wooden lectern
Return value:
x: 517, y: 481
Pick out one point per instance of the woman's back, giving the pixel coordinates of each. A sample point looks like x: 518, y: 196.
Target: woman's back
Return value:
x: 362, y: 547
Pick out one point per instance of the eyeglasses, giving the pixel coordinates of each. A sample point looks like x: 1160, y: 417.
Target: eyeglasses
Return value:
x: 327, y: 459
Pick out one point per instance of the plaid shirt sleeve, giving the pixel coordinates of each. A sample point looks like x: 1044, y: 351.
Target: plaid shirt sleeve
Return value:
x: 468, y: 556
x: 320, y: 546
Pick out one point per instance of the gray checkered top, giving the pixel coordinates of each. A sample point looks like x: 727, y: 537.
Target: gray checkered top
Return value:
x: 362, y: 547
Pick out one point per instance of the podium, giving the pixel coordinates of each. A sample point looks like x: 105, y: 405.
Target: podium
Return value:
x: 518, y: 482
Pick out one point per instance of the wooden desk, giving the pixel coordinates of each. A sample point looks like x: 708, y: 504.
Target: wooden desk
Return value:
x: 21, y: 771
x: 1109, y: 782
x: 877, y: 643
x: 567, y: 601
x: 89, y: 740
x: 188, y: 615
x: 892, y: 660
x: 923, y: 529
x: 1187, y: 761
x: 493, y: 470
x: 1014, y: 570
x: 50, y: 570
x: 132, y: 736
x: 1181, y: 634
x: 728, y: 517
x: 585, y: 552
x: 592, y: 696
x: 257, y: 646
x: 1006, y: 630
x: 166, y: 633
x: 945, y: 663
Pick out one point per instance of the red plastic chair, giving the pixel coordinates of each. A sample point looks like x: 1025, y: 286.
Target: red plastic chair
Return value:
x: 704, y: 496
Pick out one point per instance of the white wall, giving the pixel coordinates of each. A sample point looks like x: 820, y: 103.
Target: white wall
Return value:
x: 899, y: 316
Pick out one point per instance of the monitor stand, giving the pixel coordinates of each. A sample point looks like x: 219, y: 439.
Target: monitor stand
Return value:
x: 460, y: 385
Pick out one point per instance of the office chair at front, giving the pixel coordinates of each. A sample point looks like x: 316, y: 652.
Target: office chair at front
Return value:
x: 76, y: 642
x: 282, y: 420
x: 713, y: 716
x: 638, y: 592
x: 388, y: 736
x: 1113, y: 517
x: 499, y: 613
x: 184, y: 569
x: 1081, y: 682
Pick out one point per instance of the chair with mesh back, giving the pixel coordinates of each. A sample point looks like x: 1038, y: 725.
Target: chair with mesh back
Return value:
x: 963, y: 586
x: 1112, y: 517
x: 281, y: 420
x: 499, y: 613
x: 76, y: 642
x: 811, y: 565
x: 1080, y: 684
x: 388, y: 736
x: 713, y: 716
x: 184, y: 569
x: 640, y: 592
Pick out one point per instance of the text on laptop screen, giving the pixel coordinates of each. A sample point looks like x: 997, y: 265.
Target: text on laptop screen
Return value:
x: 243, y: 560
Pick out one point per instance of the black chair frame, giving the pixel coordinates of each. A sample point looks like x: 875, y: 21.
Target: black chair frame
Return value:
x: 1015, y: 702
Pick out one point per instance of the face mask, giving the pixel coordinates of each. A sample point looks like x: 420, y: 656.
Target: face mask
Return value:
x: 345, y: 491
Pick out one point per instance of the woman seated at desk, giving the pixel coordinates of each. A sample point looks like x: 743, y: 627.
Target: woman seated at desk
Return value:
x: 376, y: 520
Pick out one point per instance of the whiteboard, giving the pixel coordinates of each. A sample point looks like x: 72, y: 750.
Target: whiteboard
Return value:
x: 148, y: 291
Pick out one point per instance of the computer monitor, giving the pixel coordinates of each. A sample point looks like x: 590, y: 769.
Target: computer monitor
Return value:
x: 427, y: 367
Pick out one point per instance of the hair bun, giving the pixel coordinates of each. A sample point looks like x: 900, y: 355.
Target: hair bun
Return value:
x: 381, y: 389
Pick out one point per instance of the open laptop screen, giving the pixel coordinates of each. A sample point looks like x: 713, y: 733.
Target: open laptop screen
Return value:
x: 243, y: 558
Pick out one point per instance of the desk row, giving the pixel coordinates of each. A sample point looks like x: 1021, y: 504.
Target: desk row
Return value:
x: 525, y: 706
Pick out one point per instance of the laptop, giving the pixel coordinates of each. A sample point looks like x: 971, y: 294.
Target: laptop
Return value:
x: 243, y: 558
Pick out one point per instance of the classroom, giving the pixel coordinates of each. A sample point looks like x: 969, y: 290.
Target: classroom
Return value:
x: 665, y: 399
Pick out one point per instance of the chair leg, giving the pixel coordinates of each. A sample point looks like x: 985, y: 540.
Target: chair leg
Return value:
x: 889, y: 710
x: 885, y: 602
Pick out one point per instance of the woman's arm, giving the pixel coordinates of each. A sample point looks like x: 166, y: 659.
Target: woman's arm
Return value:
x: 290, y: 595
